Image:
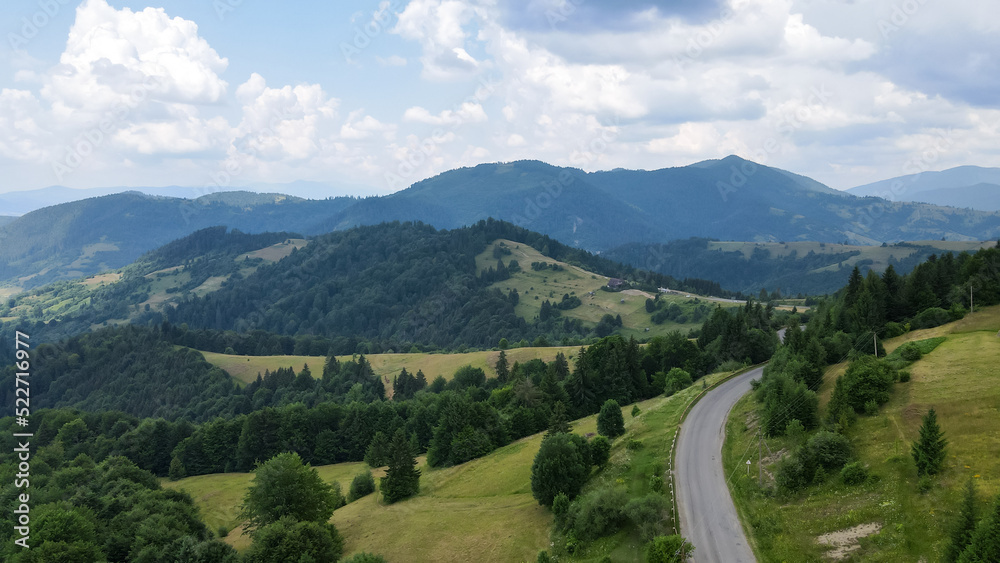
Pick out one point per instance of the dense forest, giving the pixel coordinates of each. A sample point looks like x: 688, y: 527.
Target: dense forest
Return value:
x: 397, y: 285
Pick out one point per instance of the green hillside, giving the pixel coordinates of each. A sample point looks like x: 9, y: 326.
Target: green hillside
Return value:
x: 960, y: 380
x: 481, y: 510
x: 158, y: 280
x: 537, y: 286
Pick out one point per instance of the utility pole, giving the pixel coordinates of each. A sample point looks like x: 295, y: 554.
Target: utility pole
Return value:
x: 875, y: 340
x: 760, y: 465
x: 971, y: 306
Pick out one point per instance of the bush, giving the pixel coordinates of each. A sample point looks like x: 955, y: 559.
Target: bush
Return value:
x: 854, y: 473
x: 633, y: 445
x: 867, y: 379
x: 829, y: 450
x: 635, y: 411
x: 363, y: 484
x: 656, y: 484
x: 288, y: 540
x: 610, y: 422
x: 871, y: 408
x: 904, y: 376
x: 648, y: 515
x: 560, y: 507
x: 596, y: 514
x: 600, y: 451
x: 910, y: 352
x: 677, y: 380
x: 668, y: 549
x: 929, y: 318
x: 562, y: 465
x: 892, y: 330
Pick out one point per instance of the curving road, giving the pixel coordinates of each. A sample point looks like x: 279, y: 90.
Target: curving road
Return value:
x: 707, y: 515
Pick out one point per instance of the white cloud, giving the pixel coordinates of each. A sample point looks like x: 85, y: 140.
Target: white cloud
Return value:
x: 439, y: 27
x: 110, y: 52
x: 467, y: 112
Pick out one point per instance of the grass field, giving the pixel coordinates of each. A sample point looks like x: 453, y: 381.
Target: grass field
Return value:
x: 387, y: 366
x: 478, y: 511
x: 534, y: 287
x: 961, y: 380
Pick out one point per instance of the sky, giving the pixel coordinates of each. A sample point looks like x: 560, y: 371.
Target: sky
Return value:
x: 372, y: 96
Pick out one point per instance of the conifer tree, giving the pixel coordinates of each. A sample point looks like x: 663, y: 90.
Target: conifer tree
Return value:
x: 929, y: 451
x: 558, y: 422
x: 964, y: 526
x: 402, y: 479
x: 984, y: 546
x: 503, y: 370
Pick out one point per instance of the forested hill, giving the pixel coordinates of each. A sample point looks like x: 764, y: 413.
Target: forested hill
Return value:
x: 728, y: 199
x: 397, y: 284
x: 790, y: 268
x: 91, y: 235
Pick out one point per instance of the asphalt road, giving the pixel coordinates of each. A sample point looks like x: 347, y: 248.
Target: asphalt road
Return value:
x: 707, y: 515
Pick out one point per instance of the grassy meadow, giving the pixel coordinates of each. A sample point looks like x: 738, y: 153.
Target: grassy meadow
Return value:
x: 534, y: 287
x: 960, y: 379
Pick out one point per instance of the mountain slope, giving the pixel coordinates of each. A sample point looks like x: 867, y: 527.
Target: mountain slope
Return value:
x: 729, y: 199
x: 88, y: 236
x: 963, y: 186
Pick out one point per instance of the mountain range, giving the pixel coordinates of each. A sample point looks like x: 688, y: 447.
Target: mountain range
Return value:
x: 972, y: 187
x: 727, y: 199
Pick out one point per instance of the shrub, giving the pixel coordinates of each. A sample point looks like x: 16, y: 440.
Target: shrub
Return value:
x: 656, y: 484
x: 929, y: 318
x: 910, y: 352
x: 829, y: 450
x: 893, y: 329
x: 647, y: 514
x: 596, y: 514
x: 610, y: 422
x: 668, y: 549
x: 635, y: 411
x: 633, y: 445
x: 363, y: 484
x: 288, y: 540
x: 600, y: 451
x: 562, y: 465
x: 560, y: 507
x: 854, y: 473
x: 871, y: 408
x: 904, y: 376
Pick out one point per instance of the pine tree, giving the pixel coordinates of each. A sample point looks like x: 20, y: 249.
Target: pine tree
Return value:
x: 558, y: 422
x: 929, y: 451
x: 984, y: 547
x: 503, y: 370
x: 402, y: 479
x: 378, y: 453
x: 965, y: 525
